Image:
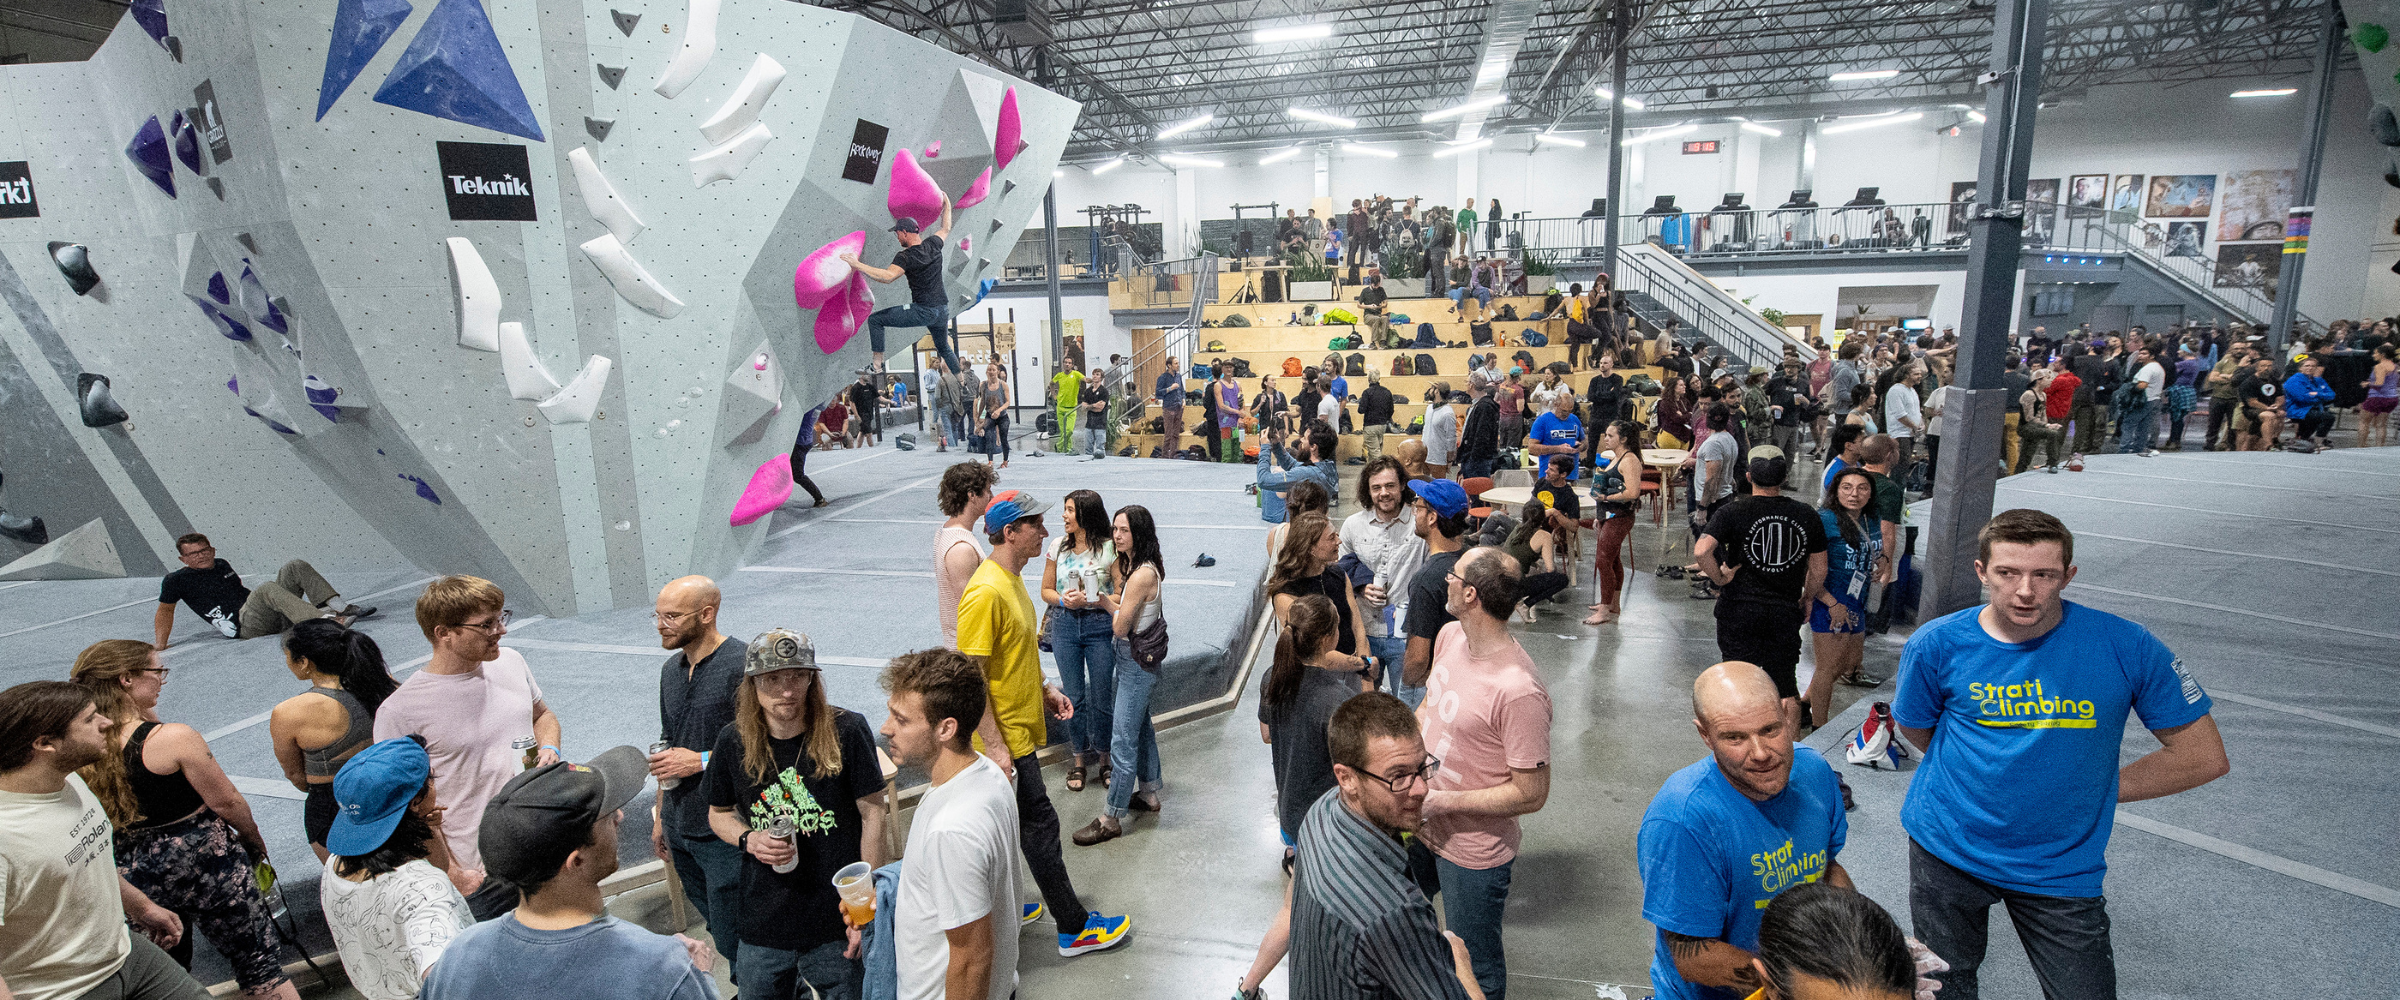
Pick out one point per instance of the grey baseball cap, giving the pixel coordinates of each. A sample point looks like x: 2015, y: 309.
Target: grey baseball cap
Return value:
x: 779, y: 649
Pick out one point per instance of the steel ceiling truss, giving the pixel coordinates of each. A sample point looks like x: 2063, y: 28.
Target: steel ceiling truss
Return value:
x: 1140, y: 65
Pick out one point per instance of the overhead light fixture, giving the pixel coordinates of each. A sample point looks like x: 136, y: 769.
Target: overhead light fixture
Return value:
x: 1460, y: 148
x: 1291, y: 33
x: 1188, y: 161
x: 2275, y: 92
x: 1977, y: 117
x: 1474, y: 105
x: 1629, y: 102
x: 1352, y: 147
x: 1318, y: 116
x: 1282, y: 156
x: 1760, y: 129
x: 1491, y: 71
x: 1854, y: 126
x: 1175, y: 130
x: 1557, y: 140
x: 1055, y: 174
x: 1662, y: 134
x: 1106, y: 167
x: 1863, y: 74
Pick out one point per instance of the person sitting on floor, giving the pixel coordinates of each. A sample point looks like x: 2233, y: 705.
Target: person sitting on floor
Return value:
x: 210, y: 587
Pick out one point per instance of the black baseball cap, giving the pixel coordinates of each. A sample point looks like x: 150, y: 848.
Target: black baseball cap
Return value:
x: 553, y: 805
x: 905, y: 225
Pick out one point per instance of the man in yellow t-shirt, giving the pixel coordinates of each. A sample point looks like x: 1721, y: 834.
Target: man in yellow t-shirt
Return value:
x: 999, y: 631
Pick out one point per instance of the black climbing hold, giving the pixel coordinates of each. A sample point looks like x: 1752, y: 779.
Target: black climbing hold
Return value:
x: 75, y: 261
x: 26, y: 530
x: 2385, y: 125
x: 1007, y: 186
x: 625, y: 21
x: 99, y: 408
x: 599, y: 127
x: 611, y: 74
x: 216, y: 186
x: 248, y: 243
x: 174, y: 48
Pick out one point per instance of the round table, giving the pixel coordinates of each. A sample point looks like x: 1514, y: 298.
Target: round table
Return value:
x: 1510, y: 497
x: 1665, y: 457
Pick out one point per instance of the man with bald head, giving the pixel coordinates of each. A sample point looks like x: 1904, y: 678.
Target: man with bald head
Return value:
x: 698, y: 688
x: 1726, y: 834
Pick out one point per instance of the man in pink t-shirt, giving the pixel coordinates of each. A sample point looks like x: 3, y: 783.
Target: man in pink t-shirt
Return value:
x: 1487, y: 719
x: 472, y: 706
x: 966, y: 491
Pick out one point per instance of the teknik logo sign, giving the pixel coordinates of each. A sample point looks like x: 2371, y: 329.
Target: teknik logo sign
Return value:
x: 16, y: 191
x: 485, y: 181
x: 866, y: 152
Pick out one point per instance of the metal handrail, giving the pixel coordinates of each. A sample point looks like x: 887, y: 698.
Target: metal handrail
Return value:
x: 1182, y: 339
x: 1704, y: 308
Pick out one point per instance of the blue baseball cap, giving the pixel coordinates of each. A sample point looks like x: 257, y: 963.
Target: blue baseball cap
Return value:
x: 1447, y: 498
x: 371, y: 793
x: 1008, y: 507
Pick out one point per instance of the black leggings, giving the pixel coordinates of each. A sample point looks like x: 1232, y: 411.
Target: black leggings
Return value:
x: 997, y: 430
x: 1539, y: 587
x: 1208, y: 430
x: 2317, y: 424
x: 800, y: 472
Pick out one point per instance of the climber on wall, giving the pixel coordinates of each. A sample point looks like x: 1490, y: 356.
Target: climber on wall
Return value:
x: 920, y: 259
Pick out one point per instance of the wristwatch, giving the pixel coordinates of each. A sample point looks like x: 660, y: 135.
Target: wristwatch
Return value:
x: 742, y: 843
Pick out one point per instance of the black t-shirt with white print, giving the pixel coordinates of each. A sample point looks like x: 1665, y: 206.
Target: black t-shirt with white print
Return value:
x: 797, y: 910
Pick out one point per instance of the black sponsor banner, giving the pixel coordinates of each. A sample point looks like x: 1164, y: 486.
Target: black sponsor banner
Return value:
x: 16, y: 191
x: 211, y: 122
x: 866, y: 152
x: 486, y: 181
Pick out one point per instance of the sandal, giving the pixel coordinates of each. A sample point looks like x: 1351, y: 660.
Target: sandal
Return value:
x: 1106, y: 772
x: 1075, y: 778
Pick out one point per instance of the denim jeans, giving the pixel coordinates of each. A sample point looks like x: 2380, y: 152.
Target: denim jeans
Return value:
x: 773, y: 972
x: 1472, y: 901
x: 2066, y: 938
x: 711, y: 871
x: 935, y: 319
x: 2135, y: 429
x: 1393, y: 651
x: 1083, y: 643
x: 1133, y: 741
x: 1092, y: 441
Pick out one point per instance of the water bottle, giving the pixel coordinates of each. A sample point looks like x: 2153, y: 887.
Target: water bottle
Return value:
x: 657, y: 748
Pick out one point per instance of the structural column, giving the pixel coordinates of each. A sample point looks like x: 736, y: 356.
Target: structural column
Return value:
x: 1050, y: 249
x: 1972, y: 421
x: 1620, y: 20
x: 2304, y: 191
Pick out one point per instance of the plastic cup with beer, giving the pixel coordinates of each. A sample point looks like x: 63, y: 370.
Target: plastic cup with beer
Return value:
x: 856, y: 883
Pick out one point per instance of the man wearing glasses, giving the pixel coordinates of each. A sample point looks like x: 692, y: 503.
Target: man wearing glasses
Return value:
x: 1486, y: 716
x: 479, y: 713
x: 1360, y: 928
x: 210, y: 587
x: 698, y: 687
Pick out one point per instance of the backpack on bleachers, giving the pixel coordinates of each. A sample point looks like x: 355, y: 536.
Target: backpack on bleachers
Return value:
x: 1425, y: 337
x: 1238, y: 367
x: 1292, y: 367
x: 1507, y: 313
x: 1354, y: 366
x: 1534, y: 338
x: 1237, y: 319
x: 1480, y: 334
x: 1402, y: 366
x: 1425, y: 366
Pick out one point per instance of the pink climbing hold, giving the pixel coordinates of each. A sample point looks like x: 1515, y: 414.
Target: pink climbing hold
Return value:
x: 913, y: 195
x: 862, y: 301
x: 769, y: 487
x: 934, y: 150
x: 822, y: 273
x: 837, y: 321
x: 978, y: 191
x: 966, y: 244
x: 1010, y: 137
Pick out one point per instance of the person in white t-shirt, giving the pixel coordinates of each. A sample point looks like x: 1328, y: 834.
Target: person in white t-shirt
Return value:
x: 1904, y: 416
x: 1441, y: 430
x: 391, y: 913
x: 2138, y: 425
x: 481, y: 716
x: 955, y: 918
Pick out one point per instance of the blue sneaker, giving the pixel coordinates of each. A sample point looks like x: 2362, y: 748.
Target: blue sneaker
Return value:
x: 1033, y: 912
x: 1100, y: 933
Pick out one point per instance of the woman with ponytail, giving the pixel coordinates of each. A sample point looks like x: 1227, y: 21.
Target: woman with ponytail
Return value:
x: 318, y: 729
x: 1311, y: 677
x: 185, y: 836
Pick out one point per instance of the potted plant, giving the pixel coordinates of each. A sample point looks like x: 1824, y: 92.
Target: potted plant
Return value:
x: 1309, y: 280
x: 1408, y: 261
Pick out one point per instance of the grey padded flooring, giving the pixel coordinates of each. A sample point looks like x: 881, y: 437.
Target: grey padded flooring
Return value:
x: 2273, y: 575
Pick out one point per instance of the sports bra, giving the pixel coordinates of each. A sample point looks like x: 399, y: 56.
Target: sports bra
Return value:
x: 326, y: 761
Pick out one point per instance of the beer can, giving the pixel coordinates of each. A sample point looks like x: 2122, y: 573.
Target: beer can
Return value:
x: 657, y: 748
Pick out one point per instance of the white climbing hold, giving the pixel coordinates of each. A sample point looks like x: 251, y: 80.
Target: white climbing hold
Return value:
x: 699, y: 46
x: 576, y: 403
x: 478, y: 297
x: 726, y: 162
x: 742, y: 108
x: 630, y: 280
x: 601, y: 198
x: 527, y: 378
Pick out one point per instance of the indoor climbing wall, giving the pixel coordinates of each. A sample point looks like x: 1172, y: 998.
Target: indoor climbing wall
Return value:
x: 538, y: 292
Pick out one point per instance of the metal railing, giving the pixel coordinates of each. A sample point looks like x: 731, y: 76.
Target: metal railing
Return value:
x: 1183, y: 338
x: 1704, y: 310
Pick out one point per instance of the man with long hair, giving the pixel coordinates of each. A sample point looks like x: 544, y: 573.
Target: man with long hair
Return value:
x: 794, y: 762
x: 1382, y: 536
x: 698, y: 686
x: 63, y: 919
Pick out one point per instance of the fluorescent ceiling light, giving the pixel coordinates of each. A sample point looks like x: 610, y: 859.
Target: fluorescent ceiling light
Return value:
x: 1175, y: 130
x: 1291, y: 33
x: 2276, y: 92
x: 1629, y: 102
x: 1760, y: 129
x: 1189, y: 161
x: 1474, y: 105
x: 1282, y: 156
x: 1319, y: 116
x: 1352, y: 147
x: 1491, y: 71
x: 1557, y: 140
x: 1662, y: 133
x: 1871, y: 123
x: 1864, y: 74
x: 1464, y: 147
x: 1106, y: 167
x: 1977, y: 117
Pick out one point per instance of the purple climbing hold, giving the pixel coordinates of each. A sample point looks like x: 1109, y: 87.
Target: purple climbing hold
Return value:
x: 360, y: 27
x: 227, y: 325
x: 148, y: 151
x: 234, y: 385
x: 187, y: 142
x: 456, y: 69
x: 152, y: 16
x: 422, y: 489
x: 321, y: 397
x: 218, y: 290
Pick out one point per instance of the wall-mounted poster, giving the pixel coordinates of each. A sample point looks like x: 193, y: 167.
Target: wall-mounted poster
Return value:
x: 2041, y: 209
x: 2181, y: 196
x: 2087, y: 191
x: 2249, y: 265
x: 2253, y: 205
x: 2184, y: 239
x: 1962, y: 197
x: 2125, y: 193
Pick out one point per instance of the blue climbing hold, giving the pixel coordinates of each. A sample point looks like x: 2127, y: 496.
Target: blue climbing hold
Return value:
x: 227, y: 325
x: 360, y: 27
x: 254, y: 295
x: 321, y: 397
x: 422, y: 489
x: 218, y: 290
x: 187, y: 142
x: 152, y: 16
x: 455, y: 69
x: 271, y: 422
x: 148, y: 151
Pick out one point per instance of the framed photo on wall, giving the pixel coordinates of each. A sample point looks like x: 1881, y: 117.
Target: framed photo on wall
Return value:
x: 2253, y: 204
x: 2087, y: 194
x: 2180, y: 196
x: 2249, y: 265
x: 2041, y: 209
x: 2125, y: 194
x: 2187, y: 239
